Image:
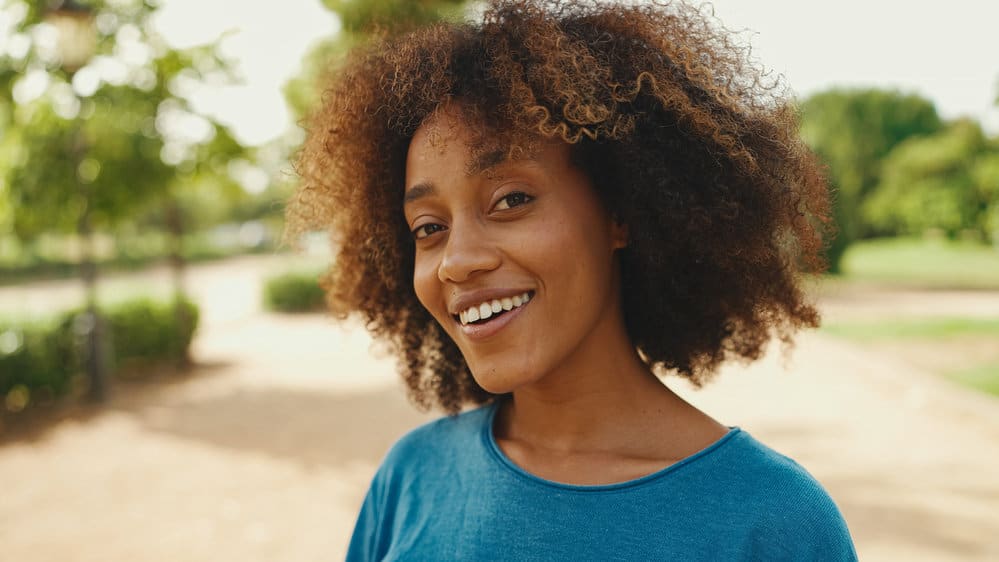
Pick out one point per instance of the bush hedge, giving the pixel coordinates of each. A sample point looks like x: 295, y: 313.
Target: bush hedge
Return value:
x: 294, y: 292
x: 34, y: 359
x: 149, y: 331
x: 42, y: 359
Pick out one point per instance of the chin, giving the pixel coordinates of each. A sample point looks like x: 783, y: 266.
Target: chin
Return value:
x: 501, y: 380
x: 497, y: 382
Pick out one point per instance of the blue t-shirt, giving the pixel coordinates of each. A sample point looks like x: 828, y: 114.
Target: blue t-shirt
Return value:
x: 447, y: 492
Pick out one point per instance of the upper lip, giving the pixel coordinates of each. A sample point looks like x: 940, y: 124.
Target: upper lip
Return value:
x: 463, y: 301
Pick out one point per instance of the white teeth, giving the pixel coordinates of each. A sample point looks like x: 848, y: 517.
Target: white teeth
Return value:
x: 487, y: 309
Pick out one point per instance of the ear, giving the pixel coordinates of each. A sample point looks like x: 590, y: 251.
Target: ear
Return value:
x: 619, y: 234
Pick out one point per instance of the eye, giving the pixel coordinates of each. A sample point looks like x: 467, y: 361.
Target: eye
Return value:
x: 423, y: 231
x: 513, y: 199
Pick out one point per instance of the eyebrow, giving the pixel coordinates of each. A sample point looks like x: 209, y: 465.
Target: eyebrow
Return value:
x: 482, y: 163
x: 418, y: 191
x: 488, y: 160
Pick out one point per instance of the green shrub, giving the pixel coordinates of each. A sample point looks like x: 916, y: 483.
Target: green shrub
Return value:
x: 35, y: 358
x: 294, y: 292
x: 41, y: 359
x: 144, y: 330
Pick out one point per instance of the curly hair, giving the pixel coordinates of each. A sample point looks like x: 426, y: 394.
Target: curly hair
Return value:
x: 687, y: 141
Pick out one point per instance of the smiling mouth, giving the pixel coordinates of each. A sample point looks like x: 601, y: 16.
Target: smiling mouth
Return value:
x: 490, y: 310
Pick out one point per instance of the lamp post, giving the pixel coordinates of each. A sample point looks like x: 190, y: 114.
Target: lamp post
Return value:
x: 74, y: 24
x: 76, y: 40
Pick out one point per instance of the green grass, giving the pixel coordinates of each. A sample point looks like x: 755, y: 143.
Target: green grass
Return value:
x: 930, y: 263
x: 933, y: 328
x: 981, y: 377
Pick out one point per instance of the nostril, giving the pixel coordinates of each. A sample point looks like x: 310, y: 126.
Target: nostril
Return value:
x: 465, y: 255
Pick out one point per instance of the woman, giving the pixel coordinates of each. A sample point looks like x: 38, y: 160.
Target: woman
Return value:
x: 540, y: 213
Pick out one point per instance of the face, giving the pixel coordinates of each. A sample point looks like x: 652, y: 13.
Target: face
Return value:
x: 515, y: 261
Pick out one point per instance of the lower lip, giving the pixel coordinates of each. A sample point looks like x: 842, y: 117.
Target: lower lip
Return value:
x: 483, y: 331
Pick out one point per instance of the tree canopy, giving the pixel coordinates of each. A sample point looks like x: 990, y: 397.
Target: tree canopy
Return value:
x: 852, y: 131
x: 116, y: 134
x: 947, y: 181
x: 359, y: 22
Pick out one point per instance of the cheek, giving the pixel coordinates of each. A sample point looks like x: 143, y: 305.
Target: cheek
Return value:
x: 584, y: 251
x: 425, y: 284
x: 577, y: 243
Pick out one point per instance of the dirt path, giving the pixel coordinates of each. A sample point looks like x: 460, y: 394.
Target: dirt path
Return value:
x: 850, y: 302
x: 263, y: 453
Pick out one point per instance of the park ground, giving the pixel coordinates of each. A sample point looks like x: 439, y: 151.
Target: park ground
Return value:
x: 264, y: 450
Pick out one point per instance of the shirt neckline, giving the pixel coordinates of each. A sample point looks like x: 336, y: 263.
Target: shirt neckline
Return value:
x: 500, y: 456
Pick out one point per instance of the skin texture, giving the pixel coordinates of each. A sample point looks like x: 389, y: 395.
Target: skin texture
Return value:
x: 538, y: 225
x: 684, y: 140
x: 556, y: 241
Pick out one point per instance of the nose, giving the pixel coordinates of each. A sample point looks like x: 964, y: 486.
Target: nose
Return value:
x: 468, y: 251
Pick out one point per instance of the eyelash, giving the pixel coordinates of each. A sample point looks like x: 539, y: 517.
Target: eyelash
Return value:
x: 421, y: 232
x: 525, y: 198
x: 423, y: 229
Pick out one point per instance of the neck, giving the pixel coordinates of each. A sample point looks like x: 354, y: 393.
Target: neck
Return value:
x: 601, y: 392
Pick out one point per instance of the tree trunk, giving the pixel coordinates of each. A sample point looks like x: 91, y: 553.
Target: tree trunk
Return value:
x: 90, y: 326
x: 175, y: 226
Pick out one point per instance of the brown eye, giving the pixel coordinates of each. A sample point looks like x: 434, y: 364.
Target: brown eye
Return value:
x: 426, y: 230
x: 511, y: 200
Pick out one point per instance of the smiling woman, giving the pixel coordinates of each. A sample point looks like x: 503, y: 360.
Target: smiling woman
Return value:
x: 541, y: 213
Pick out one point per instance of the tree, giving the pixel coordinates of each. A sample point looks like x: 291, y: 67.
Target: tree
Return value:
x: 359, y: 22
x: 57, y: 165
x: 852, y: 131
x: 126, y: 107
x: 88, y: 144
x: 947, y: 181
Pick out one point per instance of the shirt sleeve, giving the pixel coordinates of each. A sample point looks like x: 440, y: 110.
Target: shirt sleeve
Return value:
x: 810, y: 529
x: 365, y: 543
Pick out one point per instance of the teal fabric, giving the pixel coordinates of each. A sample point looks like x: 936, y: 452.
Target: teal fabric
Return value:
x: 447, y: 492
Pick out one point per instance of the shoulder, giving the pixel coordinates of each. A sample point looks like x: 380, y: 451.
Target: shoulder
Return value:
x: 741, y: 470
x: 408, y: 484
x: 765, y: 468
x: 791, y: 512
x: 448, y: 438
x: 422, y: 464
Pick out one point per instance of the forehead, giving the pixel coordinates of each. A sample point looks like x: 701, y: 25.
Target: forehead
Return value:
x: 445, y: 137
x: 453, y: 136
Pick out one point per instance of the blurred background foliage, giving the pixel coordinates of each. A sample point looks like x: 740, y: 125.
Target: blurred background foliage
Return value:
x: 41, y: 360
x: 113, y: 140
x: 360, y: 21
x: 101, y: 144
x: 897, y: 169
